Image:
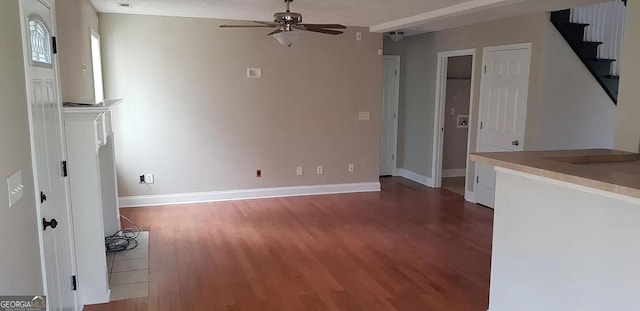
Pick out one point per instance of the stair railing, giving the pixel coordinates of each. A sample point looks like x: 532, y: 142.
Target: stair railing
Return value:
x: 606, y: 24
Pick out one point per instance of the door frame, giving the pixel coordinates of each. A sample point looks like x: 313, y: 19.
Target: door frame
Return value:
x: 396, y: 104
x: 485, y: 51
x: 56, y: 68
x: 439, y: 113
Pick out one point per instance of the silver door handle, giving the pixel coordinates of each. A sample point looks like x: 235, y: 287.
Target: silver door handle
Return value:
x: 515, y: 143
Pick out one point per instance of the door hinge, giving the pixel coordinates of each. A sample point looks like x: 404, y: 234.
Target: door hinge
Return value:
x: 481, y: 124
x: 393, y: 157
x: 74, y: 282
x: 54, y: 45
x: 64, y: 169
x: 485, y: 68
x: 394, y: 115
x: 396, y: 72
x: 477, y: 179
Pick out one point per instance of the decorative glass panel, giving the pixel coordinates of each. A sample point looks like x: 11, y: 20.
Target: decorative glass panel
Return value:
x: 40, y: 44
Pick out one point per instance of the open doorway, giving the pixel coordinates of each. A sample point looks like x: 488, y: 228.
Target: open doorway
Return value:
x: 453, y: 110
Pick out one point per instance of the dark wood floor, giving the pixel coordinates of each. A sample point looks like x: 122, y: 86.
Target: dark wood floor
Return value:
x: 405, y: 248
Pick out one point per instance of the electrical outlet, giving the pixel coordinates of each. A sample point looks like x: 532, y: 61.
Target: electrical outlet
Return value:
x: 142, y: 180
x: 148, y: 179
x: 359, y: 36
x: 258, y: 173
x: 352, y: 168
x: 299, y: 171
x: 319, y: 170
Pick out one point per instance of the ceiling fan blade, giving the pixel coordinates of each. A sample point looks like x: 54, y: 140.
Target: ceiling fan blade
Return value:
x: 279, y: 30
x: 335, y: 26
x: 246, y: 26
x: 325, y: 31
x: 272, y: 24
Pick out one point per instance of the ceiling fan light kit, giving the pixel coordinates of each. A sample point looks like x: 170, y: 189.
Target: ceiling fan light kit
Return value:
x: 288, y: 26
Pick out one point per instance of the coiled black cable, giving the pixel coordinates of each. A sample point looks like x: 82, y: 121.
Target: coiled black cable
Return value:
x: 124, y: 239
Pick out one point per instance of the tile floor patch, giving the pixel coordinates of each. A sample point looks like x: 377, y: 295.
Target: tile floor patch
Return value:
x: 130, y: 265
x: 135, y: 253
x: 129, y: 271
x: 129, y: 291
x: 129, y: 277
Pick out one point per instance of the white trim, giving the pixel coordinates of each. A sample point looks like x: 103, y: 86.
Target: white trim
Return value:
x: 470, y: 196
x: 424, y: 180
x: 438, y: 116
x: 245, y: 194
x: 396, y: 111
x: 454, y: 172
x: 447, y: 12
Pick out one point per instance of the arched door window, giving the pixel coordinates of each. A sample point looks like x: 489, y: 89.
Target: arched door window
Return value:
x: 39, y: 42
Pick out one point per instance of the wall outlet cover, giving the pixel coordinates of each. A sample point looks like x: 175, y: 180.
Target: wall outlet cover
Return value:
x: 299, y: 170
x: 149, y: 179
x: 352, y: 168
x: 364, y: 115
x: 319, y: 170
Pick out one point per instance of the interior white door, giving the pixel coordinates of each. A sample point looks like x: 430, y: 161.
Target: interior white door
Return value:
x: 503, y: 107
x: 48, y: 154
x: 389, y: 117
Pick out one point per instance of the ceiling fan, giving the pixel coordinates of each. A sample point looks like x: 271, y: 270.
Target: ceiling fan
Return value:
x: 288, y: 23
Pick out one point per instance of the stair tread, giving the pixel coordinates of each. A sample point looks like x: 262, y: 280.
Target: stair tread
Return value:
x: 604, y: 60
x: 578, y: 24
x: 613, y: 77
x: 592, y: 42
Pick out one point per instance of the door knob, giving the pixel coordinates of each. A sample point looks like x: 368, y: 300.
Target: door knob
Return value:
x: 53, y: 223
x: 43, y: 197
x: 515, y: 143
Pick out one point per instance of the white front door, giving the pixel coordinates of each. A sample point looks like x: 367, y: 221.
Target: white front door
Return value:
x: 389, y: 117
x: 48, y: 154
x: 503, y: 109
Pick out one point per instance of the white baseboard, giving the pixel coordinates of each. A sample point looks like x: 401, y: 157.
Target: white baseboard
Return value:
x: 427, y: 181
x: 470, y: 196
x: 454, y: 172
x: 245, y: 194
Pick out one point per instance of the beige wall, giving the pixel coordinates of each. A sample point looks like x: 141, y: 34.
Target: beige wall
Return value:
x: 74, y: 19
x: 191, y: 117
x: 20, y: 272
x: 627, y: 125
x: 575, y: 112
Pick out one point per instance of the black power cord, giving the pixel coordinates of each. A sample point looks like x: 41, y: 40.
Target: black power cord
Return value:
x: 124, y: 239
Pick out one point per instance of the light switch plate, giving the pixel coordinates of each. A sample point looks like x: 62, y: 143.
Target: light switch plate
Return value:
x: 364, y: 115
x: 15, y: 187
x: 254, y: 73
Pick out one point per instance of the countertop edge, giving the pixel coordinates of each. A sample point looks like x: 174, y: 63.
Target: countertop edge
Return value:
x: 565, y: 177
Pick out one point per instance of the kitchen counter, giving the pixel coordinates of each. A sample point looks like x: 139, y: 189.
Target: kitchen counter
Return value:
x: 565, y: 230
x: 603, y: 169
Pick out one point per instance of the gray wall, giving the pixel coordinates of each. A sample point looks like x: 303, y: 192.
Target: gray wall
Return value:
x: 418, y: 78
x: 566, y: 107
x: 627, y: 135
x: 191, y: 117
x: 454, y: 153
x: 20, y: 272
x: 74, y: 19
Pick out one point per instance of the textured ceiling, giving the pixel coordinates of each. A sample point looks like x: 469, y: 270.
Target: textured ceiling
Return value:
x: 348, y: 12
